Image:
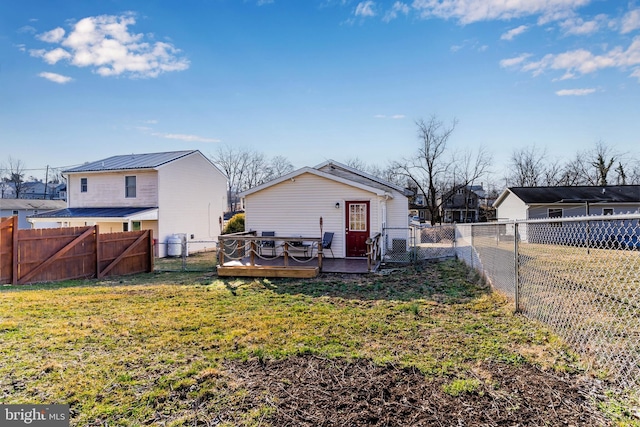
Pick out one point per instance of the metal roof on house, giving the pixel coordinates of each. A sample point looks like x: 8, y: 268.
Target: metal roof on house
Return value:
x: 131, y: 161
x: 580, y: 194
x: 92, y: 213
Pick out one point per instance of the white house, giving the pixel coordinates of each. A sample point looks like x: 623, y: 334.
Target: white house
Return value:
x: 353, y: 205
x: 178, y: 192
x: 24, y: 208
x: 553, y: 202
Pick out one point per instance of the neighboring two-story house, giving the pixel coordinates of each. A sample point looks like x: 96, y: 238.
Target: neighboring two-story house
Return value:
x: 462, y: 204
x: 178, y: 192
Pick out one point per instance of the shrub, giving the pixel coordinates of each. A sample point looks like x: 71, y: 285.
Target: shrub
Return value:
x: 235, y: 224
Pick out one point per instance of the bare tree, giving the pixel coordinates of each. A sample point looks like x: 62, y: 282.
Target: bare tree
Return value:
x: 280, y: 166
x: 15, y: 170
x: 432, y: 172
x: 233, y: 162
x: 527, y: 167
x: 602, y: 162
x: 246, y: 169
x: 387, y: 173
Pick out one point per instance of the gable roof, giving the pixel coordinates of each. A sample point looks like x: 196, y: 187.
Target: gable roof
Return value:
x: 374, y: 185
x: 579, y: 194
x: 131, y: 161
x: 339, y: 169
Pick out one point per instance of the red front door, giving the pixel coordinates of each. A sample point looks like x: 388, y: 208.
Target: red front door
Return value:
x: 357, y: 228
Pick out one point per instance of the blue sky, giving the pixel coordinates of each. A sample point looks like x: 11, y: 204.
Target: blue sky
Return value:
x: 316, y: 79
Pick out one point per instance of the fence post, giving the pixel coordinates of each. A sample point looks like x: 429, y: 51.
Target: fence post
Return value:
x: 516, y: 238
x: 184, y: 253
x: 98, y: 249
x: 473, y: 249
x: 14, y: 239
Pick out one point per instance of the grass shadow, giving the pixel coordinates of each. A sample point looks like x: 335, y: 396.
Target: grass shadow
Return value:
x: 448, y: 281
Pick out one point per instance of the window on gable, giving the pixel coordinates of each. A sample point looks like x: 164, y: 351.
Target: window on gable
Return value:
x: 83, y: 185
x: 130, y: 186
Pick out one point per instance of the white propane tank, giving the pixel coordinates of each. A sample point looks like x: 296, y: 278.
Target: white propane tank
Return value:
x: 174, y: 245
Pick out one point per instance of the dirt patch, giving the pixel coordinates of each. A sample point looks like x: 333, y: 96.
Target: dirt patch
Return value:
x: 313, y: 391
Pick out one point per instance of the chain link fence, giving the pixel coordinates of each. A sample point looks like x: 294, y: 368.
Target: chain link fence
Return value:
x: 181, y: 254
x: 580, y: 276
x: 419, y: 242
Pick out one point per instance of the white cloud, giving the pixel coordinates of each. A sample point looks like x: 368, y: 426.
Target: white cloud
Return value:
x: 398, y: 7
x: 392, y: 117
x: 105, y: 44
x: 631, y: 21
x: 27, y: 29
x: 577, y: 26
x: 54, y: 36
x: 56, y: 55
x: 581, y: 61
x: 365, y: 9
x: 56, y: 78
x: 509, y: 35
x: 183, y: 137
x: 468, y: 11
x: 575, y: 92
x: 512, y: 62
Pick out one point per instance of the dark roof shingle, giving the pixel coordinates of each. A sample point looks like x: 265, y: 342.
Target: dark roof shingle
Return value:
x: 580, y: 194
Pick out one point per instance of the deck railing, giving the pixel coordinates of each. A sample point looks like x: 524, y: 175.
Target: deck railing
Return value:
x: 248, y: 245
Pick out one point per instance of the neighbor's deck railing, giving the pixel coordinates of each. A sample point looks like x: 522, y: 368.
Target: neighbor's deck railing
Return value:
x: 374, y: 251
x: 247, y: 244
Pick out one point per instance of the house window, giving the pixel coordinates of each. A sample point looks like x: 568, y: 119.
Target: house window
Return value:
x: 135, y: 226
x: 15, y: 212
x: 125, y: 226
x: 83, y: 185
x: 130, y: 186
x: 607, y: 211
x: 555, y: 213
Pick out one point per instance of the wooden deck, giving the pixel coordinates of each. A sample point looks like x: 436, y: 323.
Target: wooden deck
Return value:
x: 276, y: 268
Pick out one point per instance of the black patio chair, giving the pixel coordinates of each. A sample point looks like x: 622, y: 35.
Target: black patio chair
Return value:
x: 327, y: 238
x: 269, y: 245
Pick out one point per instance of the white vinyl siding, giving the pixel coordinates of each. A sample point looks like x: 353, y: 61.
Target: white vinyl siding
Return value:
x: 106, y: 190
x: 193, y: 198
x: 293, y: 208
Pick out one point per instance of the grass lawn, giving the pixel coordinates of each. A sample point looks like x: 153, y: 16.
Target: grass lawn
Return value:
x: 170, y: 348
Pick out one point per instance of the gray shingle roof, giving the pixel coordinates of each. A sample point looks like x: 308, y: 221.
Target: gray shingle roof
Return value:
x: 131, y: 161
x: 610, y: 194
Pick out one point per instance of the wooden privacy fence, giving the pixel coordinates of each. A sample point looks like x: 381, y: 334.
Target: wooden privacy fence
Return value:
x: 55, y: 254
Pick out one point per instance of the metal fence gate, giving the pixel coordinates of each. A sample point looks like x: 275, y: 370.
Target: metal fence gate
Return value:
x: 419, y: 242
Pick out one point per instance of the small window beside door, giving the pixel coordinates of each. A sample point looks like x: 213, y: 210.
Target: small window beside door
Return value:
x: 130, y: 186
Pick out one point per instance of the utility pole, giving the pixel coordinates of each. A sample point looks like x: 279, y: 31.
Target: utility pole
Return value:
x: 46, y: 183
